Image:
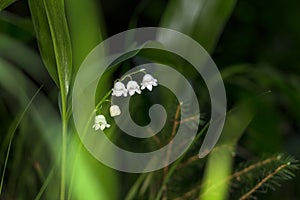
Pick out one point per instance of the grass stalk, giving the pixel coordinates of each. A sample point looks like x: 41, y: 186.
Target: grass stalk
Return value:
x: 63, y: 158
x: 13, y: 130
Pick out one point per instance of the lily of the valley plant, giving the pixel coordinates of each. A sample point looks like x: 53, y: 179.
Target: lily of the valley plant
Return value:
x: 120, y: 90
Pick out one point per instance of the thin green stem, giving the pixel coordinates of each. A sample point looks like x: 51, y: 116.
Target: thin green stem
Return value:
x: 103, y: 99
x: 126, y: 76
x: 46, y: 182
x: 64, y: 118
x: 63, y: 63
x: 13, y: 130
x: 63, y: 156
x: 132, y: 73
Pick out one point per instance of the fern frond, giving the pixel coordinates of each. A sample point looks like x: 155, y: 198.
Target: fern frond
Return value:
x: 263, y: 176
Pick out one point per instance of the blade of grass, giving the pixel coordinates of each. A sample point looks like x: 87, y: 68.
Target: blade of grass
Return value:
x: 219, y: 163
x: 45, y: 184
x: 146, y: 184
x: 203, y: 20
x: 211, y: 22
x: 42, y: 30
x: 91, y: 177
x: 78, y: 149
x: 135, y: 187
x: 5, y: 3
x: 50, y: 14
x: 49, y: 20
x: 12, y: 133
x: 22, y: 90
x: 85, y: 31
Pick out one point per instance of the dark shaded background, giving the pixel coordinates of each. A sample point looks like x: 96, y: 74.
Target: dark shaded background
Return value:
x: 264, y: 36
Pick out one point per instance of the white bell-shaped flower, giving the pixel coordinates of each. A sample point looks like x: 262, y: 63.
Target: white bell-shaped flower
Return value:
x: 114, y: 110
x: 100, y: 123
x: 148, y: 82
x: 119, y: 89
x: 133, y: 87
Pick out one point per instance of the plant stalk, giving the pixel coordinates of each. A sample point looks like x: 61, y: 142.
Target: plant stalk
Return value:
x: 63, y: 158
x: 64, y: 138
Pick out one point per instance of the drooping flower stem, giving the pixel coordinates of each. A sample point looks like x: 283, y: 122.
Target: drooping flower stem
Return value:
x: 103, y: 99
x: 129, y: 75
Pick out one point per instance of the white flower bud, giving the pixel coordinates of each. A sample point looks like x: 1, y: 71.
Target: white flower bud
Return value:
x: 114, y: 110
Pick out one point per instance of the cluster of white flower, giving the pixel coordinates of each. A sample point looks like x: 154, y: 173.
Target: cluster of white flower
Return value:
x: 120, y: 90
x: 133, y: 87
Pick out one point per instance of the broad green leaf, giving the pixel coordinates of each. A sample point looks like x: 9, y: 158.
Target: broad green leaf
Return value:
x: 5, y: 3
x: 92, y: 179
x: 203, y: 20
x: 44, y: 38
x: 211, y: 22
x: 50, y: 23
x: 219, y: 164
x: 88, y: 178
x: 85, y: 31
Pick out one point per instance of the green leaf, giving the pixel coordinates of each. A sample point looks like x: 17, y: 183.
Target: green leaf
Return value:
x: 85, y: 31
x: 44, y: 39
x: 90, y: 178
x: 203, y: 20
x: 219, y: 164
x: 50, y: 24
x: 5, y: 3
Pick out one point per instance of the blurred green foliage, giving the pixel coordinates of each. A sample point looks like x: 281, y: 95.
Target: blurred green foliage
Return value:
x: 255, y: 45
